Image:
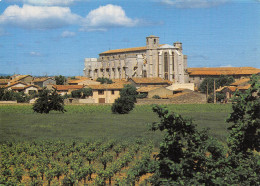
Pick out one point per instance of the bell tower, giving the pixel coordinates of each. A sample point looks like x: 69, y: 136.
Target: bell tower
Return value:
x: 152, y: 45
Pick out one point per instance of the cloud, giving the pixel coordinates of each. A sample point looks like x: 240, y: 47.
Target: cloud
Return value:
x: 106, y: 17
x: 35, y: 54
x: 46, y: 2
x: 193, y: 3
x: 38, y: 17
x: 66, y: 34
x: 227, y: 66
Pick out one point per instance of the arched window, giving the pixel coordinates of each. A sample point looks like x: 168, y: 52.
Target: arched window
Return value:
x: 166, y: 65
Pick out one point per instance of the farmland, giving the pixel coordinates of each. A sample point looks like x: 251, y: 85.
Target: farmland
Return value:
x: 89, y: 144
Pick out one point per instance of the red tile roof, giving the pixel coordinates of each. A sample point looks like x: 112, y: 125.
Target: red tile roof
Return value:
x: 239, y: 82
x: 151, y: 80
x: 4, y: 81
x: 113, y: 86
x: 223, y: 71
x: 126, y: 50
x: 67, y: 87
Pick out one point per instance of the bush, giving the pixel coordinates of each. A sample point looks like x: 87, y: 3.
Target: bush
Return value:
x: 47, y: 101
x: 104, y: 80
x: 82, y: 93
x: 126, y: 102
x: 156, y: 97
x: 142, y: 95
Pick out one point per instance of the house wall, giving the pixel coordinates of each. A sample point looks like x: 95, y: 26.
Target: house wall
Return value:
x: 27, y: 79
x: 176, y: 86
x: 49, y: 82
x: 108, y: 96
x: 26, y: 91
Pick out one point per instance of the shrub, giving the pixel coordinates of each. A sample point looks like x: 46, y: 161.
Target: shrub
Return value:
x: 104, y: 80
x: 156, y: 97
x: 126, y: 102
x: 47, y: 101
x: 142, y: 95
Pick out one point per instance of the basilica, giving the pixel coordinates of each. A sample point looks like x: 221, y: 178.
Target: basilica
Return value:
x: 153, y: 60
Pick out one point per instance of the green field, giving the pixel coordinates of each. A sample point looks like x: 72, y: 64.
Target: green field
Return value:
x: 91, y: 122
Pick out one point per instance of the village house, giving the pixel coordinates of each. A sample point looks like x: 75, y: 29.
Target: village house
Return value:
x: 106, y: 93
x: 66, y: 89
x: 21, y: 78
x: 152, y: 81
x: 151, y: 91
x: 4, y: 82
x: 43, y: 81
x: 23, y: 87
x: 85, y: 81
x: 197, y: 75
x: 240, y: 85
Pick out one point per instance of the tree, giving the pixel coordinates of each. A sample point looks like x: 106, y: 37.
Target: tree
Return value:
x: 183, y: 156
x: 125, y: 103
x: 104, y: 80
x: 60, y: 80
x: 219, y: 82
x: 47, y: 101
x: 82, y: 93
x: 245, y: 131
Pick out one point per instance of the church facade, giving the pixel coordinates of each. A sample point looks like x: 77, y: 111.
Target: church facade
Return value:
x: 153, y: 60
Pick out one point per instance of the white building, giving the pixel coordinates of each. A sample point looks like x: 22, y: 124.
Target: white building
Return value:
x: 153, y: 60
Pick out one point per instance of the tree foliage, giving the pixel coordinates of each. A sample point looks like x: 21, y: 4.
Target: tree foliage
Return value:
x: 47, y: 101
x: 82, y: 93
x: 183, y: 152
x: 190, y: 157
x: 60, y: 80
x: 219, y: 82
x: 103, y: 80
x: 245, y: 130
x: 125, y: 103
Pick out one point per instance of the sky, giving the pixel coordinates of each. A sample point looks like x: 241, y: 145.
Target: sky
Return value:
x: 53, y: 37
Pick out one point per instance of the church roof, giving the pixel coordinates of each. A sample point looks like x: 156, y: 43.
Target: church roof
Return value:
x: 126, y: 50
x: 150, y: 80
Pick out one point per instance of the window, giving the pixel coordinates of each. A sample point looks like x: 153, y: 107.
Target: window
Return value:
x: 166, y: 64
x: 154, y: 41
x: 172, y: 61
x: 100, y: 92
x: 112, y: 92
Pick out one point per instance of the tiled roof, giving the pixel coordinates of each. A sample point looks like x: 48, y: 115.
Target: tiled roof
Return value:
x: 4, y: 81
x: 67, y: 87
x: 223, y: 71
x: 126, y: 50
x: 244, y: 87
x: 41, y: 79
x: 147, y: 89
x: 151, y: 80
x: 15, y: 83
x: 25, y: 87
x: 113, y: 86
x: 18, y: 78
x: 241, y: 81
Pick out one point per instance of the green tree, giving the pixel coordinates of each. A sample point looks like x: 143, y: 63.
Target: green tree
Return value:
x: 219, y: 82
x: 183, y: 156
x: 47, y: 101
x: 82, y: 93
x: 103, y: 80
x: 125, y: 103
x: 245, y: 130
x: 60, y: 80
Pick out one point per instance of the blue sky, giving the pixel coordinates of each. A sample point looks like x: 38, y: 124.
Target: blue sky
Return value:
x: 52, y: 37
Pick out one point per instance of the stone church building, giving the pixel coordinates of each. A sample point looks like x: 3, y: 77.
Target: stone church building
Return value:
x: 153, y: 60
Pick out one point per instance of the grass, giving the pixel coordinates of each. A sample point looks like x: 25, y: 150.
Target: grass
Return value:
x: 85, y: 122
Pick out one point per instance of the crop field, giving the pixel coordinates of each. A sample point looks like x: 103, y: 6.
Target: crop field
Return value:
x: 88, y: 144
